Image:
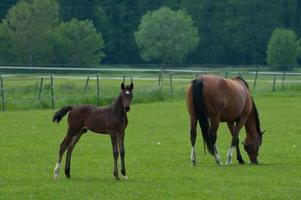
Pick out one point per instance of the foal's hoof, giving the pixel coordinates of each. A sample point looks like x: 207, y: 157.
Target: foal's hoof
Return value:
x: 125, y: 177
x: 241, y: 162
x: 193, y: 163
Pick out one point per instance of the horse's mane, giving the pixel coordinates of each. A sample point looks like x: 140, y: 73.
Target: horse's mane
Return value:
x: 256, y: 118
x: 243, y: 80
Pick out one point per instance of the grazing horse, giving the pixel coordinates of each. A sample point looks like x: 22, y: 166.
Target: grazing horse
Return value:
x: 110, y: 120
x: 215, y: 99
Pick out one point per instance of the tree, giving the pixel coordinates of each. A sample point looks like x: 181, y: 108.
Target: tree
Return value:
x: 166, y: 36
x: 78, y: 43
x: 283, y: 49
x: 29, y: 27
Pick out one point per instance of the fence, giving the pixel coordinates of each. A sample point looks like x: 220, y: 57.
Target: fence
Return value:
x: 36, y: 88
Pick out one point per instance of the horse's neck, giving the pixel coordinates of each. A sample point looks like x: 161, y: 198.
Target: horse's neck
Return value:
x: 117, y: 106
x: 251, y: 126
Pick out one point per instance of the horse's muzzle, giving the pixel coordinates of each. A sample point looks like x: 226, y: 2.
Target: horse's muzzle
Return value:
x: 127, y: 108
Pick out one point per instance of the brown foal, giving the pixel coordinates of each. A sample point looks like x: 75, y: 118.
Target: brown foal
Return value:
x: 110, y: 120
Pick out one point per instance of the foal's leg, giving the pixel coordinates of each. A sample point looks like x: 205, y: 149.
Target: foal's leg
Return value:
x: 235, y: 139
x: 115, y: 153
x: 122, y: 154
x: 213, y: 132
x: 75, y: 139
x: 231, y: 127
x: 193, y: 134
x: 67, y: 140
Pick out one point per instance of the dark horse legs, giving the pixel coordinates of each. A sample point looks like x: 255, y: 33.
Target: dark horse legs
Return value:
x: 65, y: 143
x: 213, y: 132
x: 193, y: 134
x: 231, y: 127
x: 235, y: 140
x: 115, y: 154
x: 70, y: 148
x: 122, y: 154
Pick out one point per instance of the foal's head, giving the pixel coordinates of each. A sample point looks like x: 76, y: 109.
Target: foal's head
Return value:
x: 126, y: 95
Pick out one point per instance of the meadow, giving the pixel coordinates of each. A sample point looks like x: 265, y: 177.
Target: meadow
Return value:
x: 157, y: 156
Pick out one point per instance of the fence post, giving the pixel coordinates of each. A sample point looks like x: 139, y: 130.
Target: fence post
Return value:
x: 97, y: 89
x: 283, y: 79
x: 52, y: 94
x: 41, y: 87
x: 170, y: 79
x: 86, y: 85
x: 159, y: 80
x: 2, y: 94
x: 274, y: 82
x: 255, y: 80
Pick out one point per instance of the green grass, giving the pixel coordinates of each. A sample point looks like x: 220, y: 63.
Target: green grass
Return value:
x: 157, y: 157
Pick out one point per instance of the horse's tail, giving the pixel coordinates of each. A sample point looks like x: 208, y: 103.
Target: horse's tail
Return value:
x: 200, y: 111
x: 61, y: 113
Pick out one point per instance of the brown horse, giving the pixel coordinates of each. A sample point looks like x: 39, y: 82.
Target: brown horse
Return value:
x: 110, y: 120
x: 214, y: 98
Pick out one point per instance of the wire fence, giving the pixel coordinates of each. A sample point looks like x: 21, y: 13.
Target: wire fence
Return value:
x: 38, y: 88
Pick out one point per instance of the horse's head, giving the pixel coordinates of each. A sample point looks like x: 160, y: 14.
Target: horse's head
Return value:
x: 252, y: 146
x: 126, y: 95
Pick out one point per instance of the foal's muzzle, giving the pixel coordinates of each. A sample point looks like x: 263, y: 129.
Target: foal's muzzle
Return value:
x: 127, y: 108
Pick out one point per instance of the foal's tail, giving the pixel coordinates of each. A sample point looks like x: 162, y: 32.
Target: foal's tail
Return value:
x: 200, y: 111
x: 61, y: 113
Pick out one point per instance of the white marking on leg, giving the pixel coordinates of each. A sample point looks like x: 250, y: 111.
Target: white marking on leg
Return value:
x: 217, y: 156
x: 125, y: 177
x: 57, y: 170
x: 192, y: 156
x: 229, y: 156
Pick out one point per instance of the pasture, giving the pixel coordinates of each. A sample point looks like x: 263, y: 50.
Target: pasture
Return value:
x: 157, y: 157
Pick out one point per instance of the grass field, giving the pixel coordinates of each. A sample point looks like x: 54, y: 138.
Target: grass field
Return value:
x: 157, y: 157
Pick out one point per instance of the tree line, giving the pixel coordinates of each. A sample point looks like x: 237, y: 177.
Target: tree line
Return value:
x: 87, y: 32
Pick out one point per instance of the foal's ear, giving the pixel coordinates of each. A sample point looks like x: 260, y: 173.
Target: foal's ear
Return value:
x: 132, y: 84
x: 122, y: 86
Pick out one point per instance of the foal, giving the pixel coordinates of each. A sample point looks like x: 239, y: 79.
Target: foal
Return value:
x: 110, y: 120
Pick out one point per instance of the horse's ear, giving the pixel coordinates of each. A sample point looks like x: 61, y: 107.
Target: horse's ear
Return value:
x: 132, y: 84
x: 122, y: 86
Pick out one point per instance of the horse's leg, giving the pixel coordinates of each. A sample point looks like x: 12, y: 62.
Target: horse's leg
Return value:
x: 231, y: 127
x: 67, y: 140
x: 114, y: 138
x: 235, y: 140
x: 193, y: 123
x: 122, y: 154
x: 70, y: 148
x: 213, y: 132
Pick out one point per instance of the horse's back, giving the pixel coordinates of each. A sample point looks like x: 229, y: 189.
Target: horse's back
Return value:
x: 226, y: 98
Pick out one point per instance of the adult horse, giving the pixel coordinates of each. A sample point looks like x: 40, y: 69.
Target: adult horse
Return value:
x: 215, y: 99
x: 110, y: 120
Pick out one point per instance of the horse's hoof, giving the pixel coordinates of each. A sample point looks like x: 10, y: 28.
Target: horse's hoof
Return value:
x: 125, y: 177
x: 219, y: 163
x: 56, y: 176
x: 193, y: 163
x: 229, y: 162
